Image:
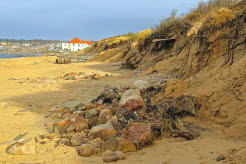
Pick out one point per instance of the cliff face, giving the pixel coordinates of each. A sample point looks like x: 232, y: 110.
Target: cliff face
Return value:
x: 206, y: 55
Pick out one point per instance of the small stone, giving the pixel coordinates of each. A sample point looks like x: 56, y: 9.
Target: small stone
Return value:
x: 78, y: 125
x: 71, y: 78
x: 22, y: 148
x: 91, y: 113
x: 105, y: 114
x: 87, y: 150
x: 115, y: 156
x: 78, y: 139
x: 220, y: 158
x: 114, y: 121
x: 4, y: 105
x: 121, y: 144
x: 132, y: 105
x: 104, y: 131
x: 96, y: 121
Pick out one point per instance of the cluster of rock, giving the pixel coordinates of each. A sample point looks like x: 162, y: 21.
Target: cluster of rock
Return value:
x: 69, y: 76
x: 117, y: 121
x: 81, y: 75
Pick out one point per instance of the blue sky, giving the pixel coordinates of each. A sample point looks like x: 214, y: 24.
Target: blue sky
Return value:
x: 86, y: 19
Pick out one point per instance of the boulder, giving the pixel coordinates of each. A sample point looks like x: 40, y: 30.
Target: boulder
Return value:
x: 87, y: 150
x: 105, y: 114
x: 115, y: 156
x: 131, y: 101
x: 4, y: 105
x: 141, y: 84
x: 140, y: 134
x: 96, y: 121
x: 91, y: 113
x: 121, y: 144
x: 128, y: 95
x: 132, y: 105
x: 78, y: 125
x: 104, y: 131
x: 26, y: 147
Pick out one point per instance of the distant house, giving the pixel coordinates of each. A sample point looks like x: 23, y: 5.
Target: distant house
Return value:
x: 76, y: 44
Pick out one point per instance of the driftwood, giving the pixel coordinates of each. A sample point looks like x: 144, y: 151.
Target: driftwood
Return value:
x: 159, y: 40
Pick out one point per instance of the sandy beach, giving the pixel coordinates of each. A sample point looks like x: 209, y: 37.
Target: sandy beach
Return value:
x: 29, y: 101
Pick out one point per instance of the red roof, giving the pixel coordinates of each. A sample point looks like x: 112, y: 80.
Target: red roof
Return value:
x: 77, y: 40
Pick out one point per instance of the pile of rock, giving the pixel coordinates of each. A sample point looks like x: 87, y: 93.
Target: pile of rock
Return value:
x: 117, y: 121
x: 82, y: 75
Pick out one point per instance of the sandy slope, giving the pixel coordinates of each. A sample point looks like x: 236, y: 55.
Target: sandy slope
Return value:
x: 37, y: 98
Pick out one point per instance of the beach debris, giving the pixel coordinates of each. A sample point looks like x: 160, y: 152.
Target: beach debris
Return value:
x: 115, y: 156
x: 123, y: 119
x: 26, y: 147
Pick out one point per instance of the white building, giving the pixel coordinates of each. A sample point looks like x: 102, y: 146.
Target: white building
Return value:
x: 76, y: 44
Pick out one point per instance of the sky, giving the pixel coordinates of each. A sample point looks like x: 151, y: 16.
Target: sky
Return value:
x: 86, y: 19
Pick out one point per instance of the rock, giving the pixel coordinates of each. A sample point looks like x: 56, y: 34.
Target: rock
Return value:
x: 72, y: 105
x: 132, y: 105
x: 97, y: 76
x: 96, y: 121
x: 50, y: 126
x: 87, y: 150
x: 78, y: 125
x: 127, y: 95
x: 71, y: 74
x: 78, y: 139
x: 91, y: 113
x: 71, y: 78
x: 140, y: 134
x: 105, y: 114
x: 104, y: 131
x: 26, y: 147
x: 89, y: 106
x: 56, y: 115
x: 121, y: 144
x: 220, y: 158
x: 4, y: 105
x: 131, y: 101
x: 90, y: 76
x: 50, y: 136
x: 141, y: 84
x: 63, y: 123
x: 115, y: 156
x: 98, y: 142
x: 114, y: 121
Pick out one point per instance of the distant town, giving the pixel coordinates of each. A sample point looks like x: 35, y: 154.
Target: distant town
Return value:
x: 11, y: 46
